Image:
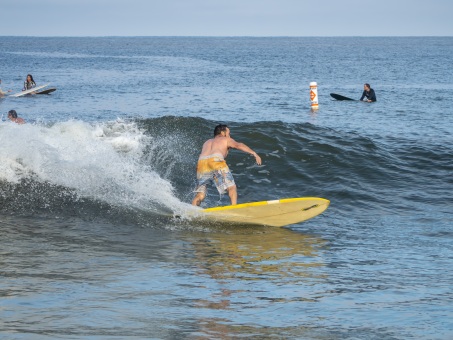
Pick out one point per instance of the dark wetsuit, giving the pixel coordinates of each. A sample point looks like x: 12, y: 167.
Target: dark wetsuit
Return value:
x: 370, y: 95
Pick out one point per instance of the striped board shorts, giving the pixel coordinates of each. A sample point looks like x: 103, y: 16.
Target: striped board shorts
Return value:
x: 213, y: 168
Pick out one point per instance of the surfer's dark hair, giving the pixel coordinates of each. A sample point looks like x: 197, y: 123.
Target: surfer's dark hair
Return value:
x: 368, y: 85
x: 31, y: 77
x: 12, y: 113
x: 219, y: 128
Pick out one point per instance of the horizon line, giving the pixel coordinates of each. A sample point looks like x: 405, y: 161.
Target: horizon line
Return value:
x: 226, y: 36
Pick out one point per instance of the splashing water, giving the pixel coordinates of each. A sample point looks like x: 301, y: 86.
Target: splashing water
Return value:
x: 100, y: 162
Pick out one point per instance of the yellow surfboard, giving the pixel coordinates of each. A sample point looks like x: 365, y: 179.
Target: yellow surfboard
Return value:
x: 276, y: 213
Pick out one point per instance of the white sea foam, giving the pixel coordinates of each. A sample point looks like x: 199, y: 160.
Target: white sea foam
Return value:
x: 101, y: 162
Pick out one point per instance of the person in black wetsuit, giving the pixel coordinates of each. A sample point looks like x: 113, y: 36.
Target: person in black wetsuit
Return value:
x: 369, y: 93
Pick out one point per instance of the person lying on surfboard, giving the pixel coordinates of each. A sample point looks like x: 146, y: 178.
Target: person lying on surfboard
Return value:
x: 369, y: 93
x: 212, y: 165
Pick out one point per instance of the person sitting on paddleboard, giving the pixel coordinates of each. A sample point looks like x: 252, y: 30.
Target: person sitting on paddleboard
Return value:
x: 369, y: 93
x: 29, y: 83
x: 212, y: 166
x: 12, y: 115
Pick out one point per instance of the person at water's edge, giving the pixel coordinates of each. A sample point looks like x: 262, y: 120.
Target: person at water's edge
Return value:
x: 369, y: 93
x: 211, y: 164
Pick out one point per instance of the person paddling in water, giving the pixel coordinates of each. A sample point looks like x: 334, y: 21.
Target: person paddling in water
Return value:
x: 12, y: 115
x: 369, y: 93
x: 212, y: 165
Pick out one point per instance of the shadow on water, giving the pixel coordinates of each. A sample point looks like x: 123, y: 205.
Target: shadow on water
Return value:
x: 255, y: 253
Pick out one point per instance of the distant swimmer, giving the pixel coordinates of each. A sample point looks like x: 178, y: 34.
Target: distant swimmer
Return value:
x: 369, y: 93
x: 212, y: 166
x: 2, y: 93
x: 29, y: 83
x: 12, y: 115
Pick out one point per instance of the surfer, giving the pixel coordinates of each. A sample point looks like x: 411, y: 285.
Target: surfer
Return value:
x: 369, y: 93
x: 212, y: 165
x: 12, y: 115
x: 29, y: 83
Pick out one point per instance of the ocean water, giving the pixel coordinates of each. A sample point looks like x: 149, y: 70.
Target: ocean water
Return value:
x: 89, y: 187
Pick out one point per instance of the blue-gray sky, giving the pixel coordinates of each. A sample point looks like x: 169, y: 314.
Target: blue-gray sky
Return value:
x: 226, y: 18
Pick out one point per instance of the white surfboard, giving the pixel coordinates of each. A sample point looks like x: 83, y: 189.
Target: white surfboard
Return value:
x: 23, y: 93
x: 276, y: 213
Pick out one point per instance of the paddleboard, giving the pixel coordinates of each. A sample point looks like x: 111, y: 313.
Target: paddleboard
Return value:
x: 46, y: 91
x: 276, y: 213
x: 340, y: 97
x: 23, y: 93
